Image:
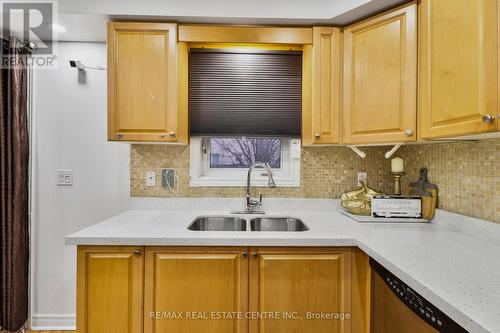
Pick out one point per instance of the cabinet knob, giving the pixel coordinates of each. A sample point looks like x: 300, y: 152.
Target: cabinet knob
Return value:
x: 254, y: 254
x: 137, y: 252
x: 409, y: 132
x: 488, y: 118
x: 171, y: 134
x: 119, y: 136
x: 244, y: 254
x: 317, y: 135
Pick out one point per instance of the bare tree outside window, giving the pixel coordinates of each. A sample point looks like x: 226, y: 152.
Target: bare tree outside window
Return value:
x: 243, y: 152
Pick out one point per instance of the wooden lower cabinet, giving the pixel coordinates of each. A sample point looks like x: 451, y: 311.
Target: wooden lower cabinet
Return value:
x: 198, y: 285
x: 109, y: 289
x: 360, y: 292
x: 222, y: 289
x: 295, y: 287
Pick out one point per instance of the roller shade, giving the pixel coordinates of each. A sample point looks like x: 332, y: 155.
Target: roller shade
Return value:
x: 245, y: 94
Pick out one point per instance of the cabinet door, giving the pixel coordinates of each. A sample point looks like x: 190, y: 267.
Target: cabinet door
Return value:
x: 109, y: 289
x: 321, y: 121
x: 195, y: 287
x: 142, y: 82
x: 380, y: 78
x: 458, y: 70
x: 289, y: 284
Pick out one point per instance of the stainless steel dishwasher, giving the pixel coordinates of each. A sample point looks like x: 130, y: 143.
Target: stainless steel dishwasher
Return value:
x: 396, y: 308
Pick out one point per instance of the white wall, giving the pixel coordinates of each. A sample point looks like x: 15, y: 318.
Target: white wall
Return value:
x: 70, y: 122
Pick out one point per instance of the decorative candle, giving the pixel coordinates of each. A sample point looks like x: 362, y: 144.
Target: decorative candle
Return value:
x: 397, y: 165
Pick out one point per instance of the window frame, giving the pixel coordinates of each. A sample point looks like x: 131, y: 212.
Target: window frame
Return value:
x: 201, y: 175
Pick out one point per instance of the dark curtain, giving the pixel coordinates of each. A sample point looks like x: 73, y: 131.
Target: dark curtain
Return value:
x: 14, y: 172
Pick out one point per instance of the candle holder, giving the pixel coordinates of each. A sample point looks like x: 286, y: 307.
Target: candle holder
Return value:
x: 397, y: 182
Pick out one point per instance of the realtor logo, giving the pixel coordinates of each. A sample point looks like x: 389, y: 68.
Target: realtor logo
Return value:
x: 31, y: 24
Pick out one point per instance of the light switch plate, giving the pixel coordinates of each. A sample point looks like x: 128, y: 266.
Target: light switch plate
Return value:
x: 151, y: 178
x: 64, y: 177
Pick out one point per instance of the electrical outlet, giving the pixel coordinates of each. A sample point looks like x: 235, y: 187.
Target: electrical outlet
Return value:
x: 362, y: 176
x: 168, y: 178
x: 151, y: 178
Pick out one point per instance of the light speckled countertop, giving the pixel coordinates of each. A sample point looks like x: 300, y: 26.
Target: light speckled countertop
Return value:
x: 453, y: 262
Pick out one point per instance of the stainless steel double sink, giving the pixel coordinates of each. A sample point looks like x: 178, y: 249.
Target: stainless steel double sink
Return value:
x: 234, y: 223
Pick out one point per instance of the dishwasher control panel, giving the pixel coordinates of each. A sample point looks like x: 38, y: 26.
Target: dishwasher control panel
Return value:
x: 419, y: 305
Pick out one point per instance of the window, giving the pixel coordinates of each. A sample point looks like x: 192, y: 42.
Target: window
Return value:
x: 243, y: 152
x: 223, y: 161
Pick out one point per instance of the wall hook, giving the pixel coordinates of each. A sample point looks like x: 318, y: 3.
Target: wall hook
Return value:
x: 81, y: 67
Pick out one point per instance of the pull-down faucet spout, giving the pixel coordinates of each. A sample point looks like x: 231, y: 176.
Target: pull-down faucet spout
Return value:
x: 251, y: 203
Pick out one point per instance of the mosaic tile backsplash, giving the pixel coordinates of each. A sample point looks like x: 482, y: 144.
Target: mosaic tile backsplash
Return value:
x: 467, y: 173
x: 326, y: 172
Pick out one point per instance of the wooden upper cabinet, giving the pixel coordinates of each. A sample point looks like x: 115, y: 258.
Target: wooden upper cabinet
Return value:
x: 321, y: 96
x: 197, y: 282
x: 241, y: 34
x: 297, y: 282
x: 380, y: 78
x: 458, y: 72
x: 143, y: 82
x: 109, y: 289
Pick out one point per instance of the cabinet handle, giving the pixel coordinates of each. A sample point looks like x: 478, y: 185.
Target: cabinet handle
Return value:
x: 137, y: 252
x: 317, y: 135
x: 244, y: 254
x: 255, y: 255
x: 171, y: 134
x: 409, y: 132
x: 120, y: 136
x: 488, y: 118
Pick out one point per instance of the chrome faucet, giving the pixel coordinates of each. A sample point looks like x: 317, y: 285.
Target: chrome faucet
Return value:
x: 250, y: 202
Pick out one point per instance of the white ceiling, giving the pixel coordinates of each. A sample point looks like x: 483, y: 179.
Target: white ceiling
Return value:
x: 295, y: 9
x: 86, y: 20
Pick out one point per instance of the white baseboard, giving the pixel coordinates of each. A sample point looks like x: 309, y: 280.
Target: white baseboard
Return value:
x: 57, y: 322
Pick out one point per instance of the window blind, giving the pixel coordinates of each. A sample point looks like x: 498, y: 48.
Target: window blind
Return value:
x: 256, y: 93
